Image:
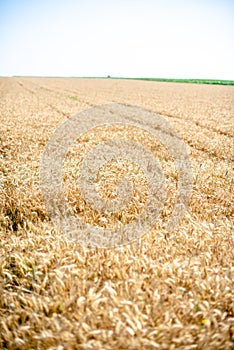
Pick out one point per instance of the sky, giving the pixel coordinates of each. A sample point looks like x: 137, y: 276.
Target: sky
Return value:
x: 123, y: 38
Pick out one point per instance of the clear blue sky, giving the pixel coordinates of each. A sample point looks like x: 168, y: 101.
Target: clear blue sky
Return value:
x: 131, y: 38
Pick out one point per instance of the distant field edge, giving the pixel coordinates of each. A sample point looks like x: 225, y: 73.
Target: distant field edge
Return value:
x: 169, y: 80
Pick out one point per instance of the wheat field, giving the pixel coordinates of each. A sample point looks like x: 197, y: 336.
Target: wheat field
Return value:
x: 164, y: 291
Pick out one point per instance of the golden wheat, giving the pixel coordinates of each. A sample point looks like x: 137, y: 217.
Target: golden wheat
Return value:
x: 163, y: 292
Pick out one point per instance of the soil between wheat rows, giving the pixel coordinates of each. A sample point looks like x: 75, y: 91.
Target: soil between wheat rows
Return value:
x: 171, y: 291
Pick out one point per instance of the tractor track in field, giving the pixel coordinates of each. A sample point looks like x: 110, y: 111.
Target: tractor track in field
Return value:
x: 72, y: 96
x: 202, y: 126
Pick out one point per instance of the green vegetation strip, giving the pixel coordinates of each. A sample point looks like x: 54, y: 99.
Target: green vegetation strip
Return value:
x: 190, y: 81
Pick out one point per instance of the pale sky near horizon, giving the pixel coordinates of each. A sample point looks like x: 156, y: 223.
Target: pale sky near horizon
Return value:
x: 150, y: 38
